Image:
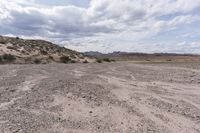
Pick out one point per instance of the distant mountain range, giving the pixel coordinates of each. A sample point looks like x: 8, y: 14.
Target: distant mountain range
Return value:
x: 118, y: 53
x: 145, y: 57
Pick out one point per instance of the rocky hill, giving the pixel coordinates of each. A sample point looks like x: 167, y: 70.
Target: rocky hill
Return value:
x: 17, y: 50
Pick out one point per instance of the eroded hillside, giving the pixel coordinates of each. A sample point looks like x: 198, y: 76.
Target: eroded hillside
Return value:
x: 36, y: 51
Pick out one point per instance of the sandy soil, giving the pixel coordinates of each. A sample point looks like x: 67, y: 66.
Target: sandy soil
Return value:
x: 100, y: 98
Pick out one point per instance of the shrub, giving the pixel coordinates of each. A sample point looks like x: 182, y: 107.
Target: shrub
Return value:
x: 85, y: 61
x: 99, y: 61
x: 8, y: 57
x: 1, y: 60
x: 106, y: 60
x: 2, y: 42
x: 17, y: 38
x: 65, y: 59
x: 51, y: 58
x: 37, y: 61
x: 72, y: 61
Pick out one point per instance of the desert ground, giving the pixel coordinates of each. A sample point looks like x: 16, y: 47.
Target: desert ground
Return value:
x: 121, y: 97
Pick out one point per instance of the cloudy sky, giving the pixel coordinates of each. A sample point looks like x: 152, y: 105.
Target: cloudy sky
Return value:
x: 106, y: 25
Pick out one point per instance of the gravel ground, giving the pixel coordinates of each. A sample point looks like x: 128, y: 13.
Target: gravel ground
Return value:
x: 100, y: 98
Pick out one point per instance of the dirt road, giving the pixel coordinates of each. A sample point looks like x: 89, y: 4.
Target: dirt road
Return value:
x: 100, y: 98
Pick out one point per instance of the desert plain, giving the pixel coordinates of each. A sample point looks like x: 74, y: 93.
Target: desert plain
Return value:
x: 121, y: 97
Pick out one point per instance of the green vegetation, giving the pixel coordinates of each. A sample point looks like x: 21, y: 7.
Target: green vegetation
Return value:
x: 7, y: 58
x: 1, y: 60
x: 104, y: 60
x: 108, y: 60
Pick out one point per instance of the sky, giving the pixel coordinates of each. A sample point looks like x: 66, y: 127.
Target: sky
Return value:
x: 149, y: 26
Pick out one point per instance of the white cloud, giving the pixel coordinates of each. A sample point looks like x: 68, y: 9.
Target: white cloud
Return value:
x: 111, y: 22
